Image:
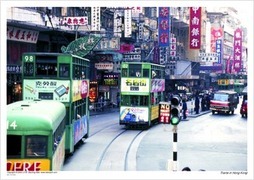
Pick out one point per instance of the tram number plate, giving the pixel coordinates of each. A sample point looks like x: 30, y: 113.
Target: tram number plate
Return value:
x: 134, y: 88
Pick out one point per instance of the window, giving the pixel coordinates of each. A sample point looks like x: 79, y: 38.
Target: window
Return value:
x: 28, y: 69
x: 64, y: 70
x: 146, y: 73
x: 36, y: 146
x: 135, y: 70
x: 124, y: 72
x: 13, y: 146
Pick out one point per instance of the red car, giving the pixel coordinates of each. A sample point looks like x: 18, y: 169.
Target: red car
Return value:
x: 244, y: 109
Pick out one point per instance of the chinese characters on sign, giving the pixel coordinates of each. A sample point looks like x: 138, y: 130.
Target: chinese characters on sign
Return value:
x: 24, y: 35
x: 127, y: 23
x: 216, y: 33
x: 164, y: 26
x: 237, y: 49
x: 195, y: 27
x: 219, y: 50
x: 81, y: 21
x: 95, y: 19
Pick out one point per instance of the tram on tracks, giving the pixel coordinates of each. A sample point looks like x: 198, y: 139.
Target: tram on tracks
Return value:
x: 142, y: 88
x: 36, y: 135
x: 61, y: 77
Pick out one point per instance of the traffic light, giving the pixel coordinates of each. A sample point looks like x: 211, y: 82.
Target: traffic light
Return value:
x: 175, y: 111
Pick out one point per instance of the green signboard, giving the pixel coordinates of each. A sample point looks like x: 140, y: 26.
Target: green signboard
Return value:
x: 82, y: 46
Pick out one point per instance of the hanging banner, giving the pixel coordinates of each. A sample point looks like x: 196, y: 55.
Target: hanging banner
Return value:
x: 164, y: 26
x: 195, y: 27
x: 238, y: 49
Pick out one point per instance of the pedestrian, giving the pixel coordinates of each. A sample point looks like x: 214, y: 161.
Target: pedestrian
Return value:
x: 118, y: 100
x: 197, y: 104
x: 208, y: 102
x: 184, y: 109
x: 203, y: 103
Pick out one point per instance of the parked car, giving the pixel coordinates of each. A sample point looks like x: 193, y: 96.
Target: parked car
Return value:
x: 224, y: 101
x: 244, y: 109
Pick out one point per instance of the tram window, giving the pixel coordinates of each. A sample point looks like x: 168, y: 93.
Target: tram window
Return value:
x: 28, y: 69
x: 125, y: 100
x: 46, y: 69
x: 145, y: 72
x: 36, y: 146
x: 144, y: 100
x: 124, y: 72
x: 134, y: 101
x: 13, y: 146
x: 135, y: 70
x: 64, y: 70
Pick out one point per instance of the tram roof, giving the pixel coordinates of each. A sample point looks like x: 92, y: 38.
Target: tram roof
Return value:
x: 128, y: 62
x: 34, y: 115
x: 54, y: 54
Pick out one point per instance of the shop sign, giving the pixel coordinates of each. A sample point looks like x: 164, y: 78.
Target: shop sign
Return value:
x: 238, y: 35
x: 104, y: 66
x: 111, y: 44
x: 23, y: 35
x: 15, y: 69
x: 70, y: 21
x: 82, y: 46
x: 195, y: 27
x: 164, y: 26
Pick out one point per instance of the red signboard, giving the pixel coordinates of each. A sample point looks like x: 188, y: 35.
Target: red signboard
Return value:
x: 164, y: 113
x: 238, y: 34
x: 195, y: 27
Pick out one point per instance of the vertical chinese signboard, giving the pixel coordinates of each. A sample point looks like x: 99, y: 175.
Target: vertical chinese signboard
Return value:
x: 216, y: 33
x: 237, y: 50
x: 164, y: 26
x: 195, y: 27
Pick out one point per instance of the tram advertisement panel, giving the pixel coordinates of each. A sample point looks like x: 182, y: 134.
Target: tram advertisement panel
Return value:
x: 28, y: 165
x: 135, y: 85
x: 46, y: 89
x: 134, y: 114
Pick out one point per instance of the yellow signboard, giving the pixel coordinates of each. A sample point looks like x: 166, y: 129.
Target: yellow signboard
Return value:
x: 28, y: 165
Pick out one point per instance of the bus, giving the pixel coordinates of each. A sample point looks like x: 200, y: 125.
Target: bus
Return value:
x: 61, y: 77
x: 35, y: 135
x: 142, y: 88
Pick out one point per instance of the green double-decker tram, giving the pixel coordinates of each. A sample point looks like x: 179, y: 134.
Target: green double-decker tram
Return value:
x: 35, y: 136
x: 61, y: 77
x: 142, y: 88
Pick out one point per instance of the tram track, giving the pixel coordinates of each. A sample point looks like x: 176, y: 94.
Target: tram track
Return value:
x: 120, y: 151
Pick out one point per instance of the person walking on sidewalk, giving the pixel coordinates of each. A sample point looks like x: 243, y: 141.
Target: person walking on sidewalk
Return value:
x: 184, y: 109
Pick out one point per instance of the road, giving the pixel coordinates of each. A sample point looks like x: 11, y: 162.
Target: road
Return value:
x: 209, y: 142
